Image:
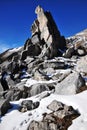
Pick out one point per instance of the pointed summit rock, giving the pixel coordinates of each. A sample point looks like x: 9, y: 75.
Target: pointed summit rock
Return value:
x: 46, y: 40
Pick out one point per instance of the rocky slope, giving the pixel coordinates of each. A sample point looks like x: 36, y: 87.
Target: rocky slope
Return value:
x: 46, y: 79
x: 78, y: 42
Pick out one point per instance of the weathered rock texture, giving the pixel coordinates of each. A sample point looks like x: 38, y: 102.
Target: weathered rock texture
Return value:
x: 72, y: 84
x: 77, y: 45
x: 46, y: 39
x: 60, y: 119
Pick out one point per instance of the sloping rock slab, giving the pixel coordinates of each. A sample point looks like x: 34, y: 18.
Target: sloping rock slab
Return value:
x: 72, y: 84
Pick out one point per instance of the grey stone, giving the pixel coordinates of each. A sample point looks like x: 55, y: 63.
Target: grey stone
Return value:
x: 81, y: 51
x: 55, y: 106
x: 14, y: 94
x: 44, y: 125
x: 69, y: 52
x: 33, y: 50
x: 55, y: 120
x: 72, y: 84
x: 28, y: 105
x: 48, y: 32
x: 35, y: 39
x: 37, y: 89
x: 82, y: 65
x: 1, y: 88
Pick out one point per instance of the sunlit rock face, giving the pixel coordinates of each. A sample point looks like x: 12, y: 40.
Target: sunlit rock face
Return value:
x: 44, y: 27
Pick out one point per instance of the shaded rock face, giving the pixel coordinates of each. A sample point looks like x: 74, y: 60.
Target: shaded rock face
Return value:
x: 15, y: 94
x: 60, y: 119
x: 25, y: 92
x: 4, y: 107
x: 46, y: 38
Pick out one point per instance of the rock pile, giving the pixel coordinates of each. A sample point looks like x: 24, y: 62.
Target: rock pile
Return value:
x: 37, y: 68
x: 46, y: 40
x: 60, y: 118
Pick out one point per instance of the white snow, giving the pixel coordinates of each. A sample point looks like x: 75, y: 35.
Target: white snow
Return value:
x: 15, y: 49
x: 15, y: 120
x: 9, y: 52
x: 31, y: 81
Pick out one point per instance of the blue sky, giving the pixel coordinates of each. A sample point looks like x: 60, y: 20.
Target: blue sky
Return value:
x: 17, y: 16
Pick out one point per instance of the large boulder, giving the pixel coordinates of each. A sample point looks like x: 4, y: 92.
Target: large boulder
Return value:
x: 21, y: 91
x: 72, y: 84
x: 82, y: 65
x: 47, y: 31
x: 46, y: 40
x: 37, y: 89
x: 55, y: 120
x: 28, y: 105
x: 61, y: 110
x: 15, y: 94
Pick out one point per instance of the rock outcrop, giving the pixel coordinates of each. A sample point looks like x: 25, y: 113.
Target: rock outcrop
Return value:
x: 46, y: 40
x: 72, y: 84
x: 59, y: 119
